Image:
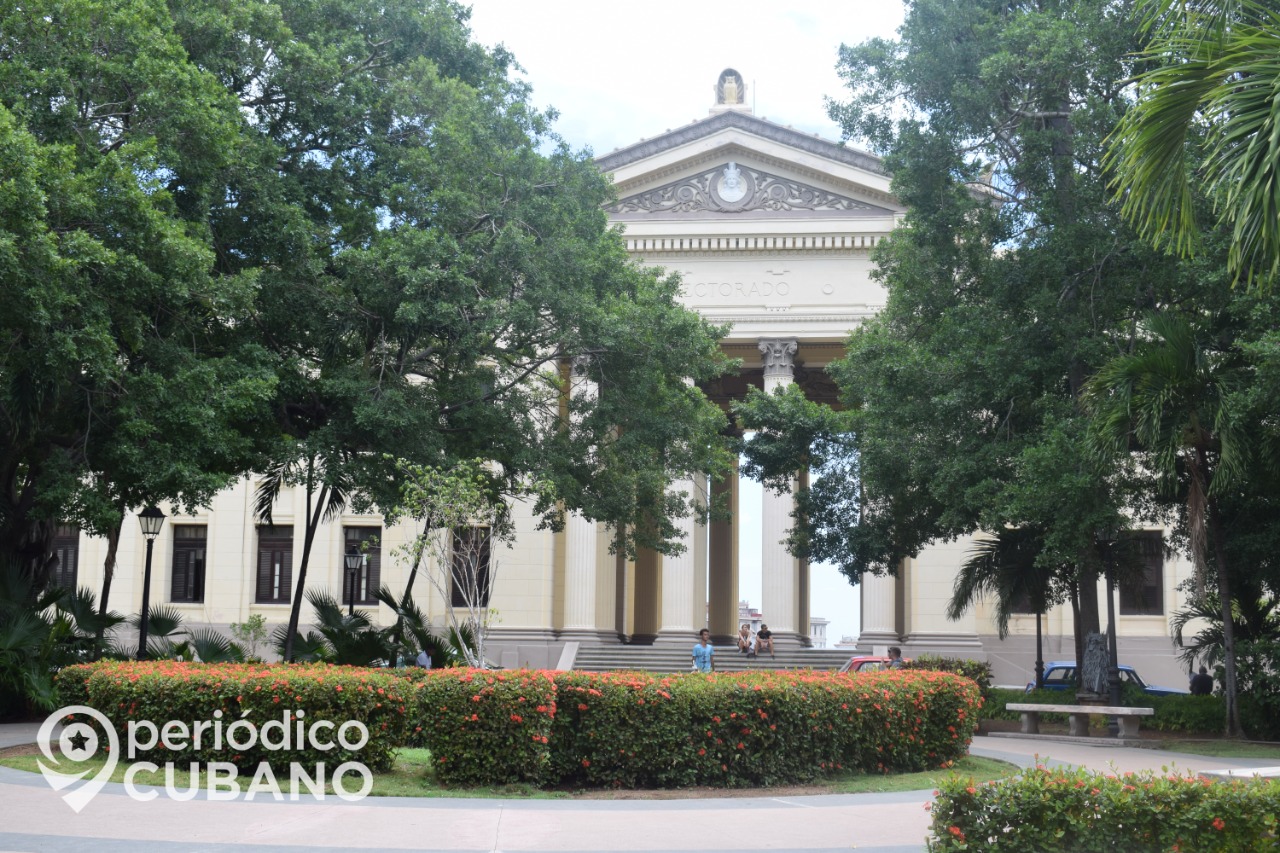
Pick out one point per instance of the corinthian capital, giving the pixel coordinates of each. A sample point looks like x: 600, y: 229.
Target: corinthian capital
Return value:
x: 779, y: 356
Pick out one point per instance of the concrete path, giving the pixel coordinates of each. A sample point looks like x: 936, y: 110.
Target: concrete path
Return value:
x: 35, y: 818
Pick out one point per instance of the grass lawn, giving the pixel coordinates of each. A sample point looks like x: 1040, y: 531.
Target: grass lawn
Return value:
x: 412, y: 776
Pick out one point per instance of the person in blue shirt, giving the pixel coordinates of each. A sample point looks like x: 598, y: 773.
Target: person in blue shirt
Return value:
x: 704, y: 653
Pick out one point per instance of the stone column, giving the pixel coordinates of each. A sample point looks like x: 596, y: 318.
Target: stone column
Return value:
x: 581, y: 533
x: 722, y: 584
x: 679, y: 574
x: 780, y: 570
x: 879, y: 609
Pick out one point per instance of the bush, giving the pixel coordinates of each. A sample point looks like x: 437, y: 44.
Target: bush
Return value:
x: 977, y: 671
x: 643, y: 730
x: 159, y: 691
x: 1258, y: 679
x: 1081, y: 811
x: 1190, y: 714
x: 486, y: 727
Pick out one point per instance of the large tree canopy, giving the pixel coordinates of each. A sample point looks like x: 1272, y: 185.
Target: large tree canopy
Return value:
x: 335, y: 230
x: 1011, y: 281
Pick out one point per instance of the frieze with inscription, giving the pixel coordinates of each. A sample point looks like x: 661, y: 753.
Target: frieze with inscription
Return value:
x: 734, y: 188
x: 742, y: 289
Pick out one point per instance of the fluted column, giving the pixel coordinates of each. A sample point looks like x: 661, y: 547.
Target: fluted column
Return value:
x: 722, y: 584
x: 581, y: 546
x: 679, y: 574
x: 879, y: 613
x: 779, y: 569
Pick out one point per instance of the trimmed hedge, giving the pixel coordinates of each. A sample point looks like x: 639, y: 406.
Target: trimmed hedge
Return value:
x: 978, y: 671
x: 736, y: 729
x: 486, y: 727
x: 1081, y: 811
x: 160, y: 691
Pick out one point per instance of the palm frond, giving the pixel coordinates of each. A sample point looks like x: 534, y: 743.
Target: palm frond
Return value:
x: 274, y: 479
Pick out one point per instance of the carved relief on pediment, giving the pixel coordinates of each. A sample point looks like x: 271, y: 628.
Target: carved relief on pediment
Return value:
x: 734, y: 188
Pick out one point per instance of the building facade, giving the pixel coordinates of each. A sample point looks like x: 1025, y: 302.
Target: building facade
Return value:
x: 771, y: 231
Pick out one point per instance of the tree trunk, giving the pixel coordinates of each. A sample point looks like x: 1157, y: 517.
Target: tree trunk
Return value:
x: 108, y: 574
x: 1230, y: 690
x: 408, y: 587
x: 312, y: 522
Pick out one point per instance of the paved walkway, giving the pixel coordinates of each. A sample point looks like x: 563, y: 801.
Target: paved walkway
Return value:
x: 34, y: 817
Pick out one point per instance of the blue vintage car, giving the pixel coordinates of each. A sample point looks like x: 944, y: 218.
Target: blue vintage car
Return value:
x: 1061, y: 675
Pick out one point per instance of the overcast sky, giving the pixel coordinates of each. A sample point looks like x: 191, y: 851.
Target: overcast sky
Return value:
x: 621, y: 72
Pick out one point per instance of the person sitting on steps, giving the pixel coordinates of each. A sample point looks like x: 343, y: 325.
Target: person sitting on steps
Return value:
x: 764, y: 640
x: 746, y: 640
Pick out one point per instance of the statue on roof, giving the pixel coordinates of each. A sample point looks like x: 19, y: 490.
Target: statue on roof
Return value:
x: 730, y: 88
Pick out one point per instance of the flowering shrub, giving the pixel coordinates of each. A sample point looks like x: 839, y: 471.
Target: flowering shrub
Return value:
x: 1082, y: 811
x: 486, y: 727
x: 734, y: 729
x: 160, y: 691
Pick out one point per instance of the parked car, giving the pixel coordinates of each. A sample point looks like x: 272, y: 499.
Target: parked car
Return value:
x: 1061, y: 675
x: 867, y: 663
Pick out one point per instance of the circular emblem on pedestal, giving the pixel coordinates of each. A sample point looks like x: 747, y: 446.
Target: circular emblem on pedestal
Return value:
x: 732, y: 186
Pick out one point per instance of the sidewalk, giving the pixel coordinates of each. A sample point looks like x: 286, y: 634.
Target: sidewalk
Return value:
x: 36, y: 819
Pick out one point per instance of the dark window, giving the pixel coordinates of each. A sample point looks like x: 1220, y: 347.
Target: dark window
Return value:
x: 365, y: 542
x: 471, y: 578
x: 1142, y: 594
x: 66, y: 548
x: 187, y: 582
x: 1021, y: 603
x: 275, y: 564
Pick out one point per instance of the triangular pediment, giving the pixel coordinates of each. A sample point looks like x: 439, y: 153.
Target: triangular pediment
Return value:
x: 735, y: 166
x: 735, y: 189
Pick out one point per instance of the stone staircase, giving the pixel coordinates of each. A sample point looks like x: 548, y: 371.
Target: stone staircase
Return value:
x: 671, y: 658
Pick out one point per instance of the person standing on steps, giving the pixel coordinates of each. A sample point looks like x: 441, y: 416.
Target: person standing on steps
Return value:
x: 704, y: 653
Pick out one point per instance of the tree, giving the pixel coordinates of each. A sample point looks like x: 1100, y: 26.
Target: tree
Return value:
x: 120, y: 384
x: 1211, y: 88
x: 1172, y: 396
x: 1007, y: 567
x: 462, y: 522
x: 350, y: 233
x: 1011, y: 280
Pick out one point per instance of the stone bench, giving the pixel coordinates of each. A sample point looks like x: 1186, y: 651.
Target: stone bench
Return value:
x: 1079, y: 717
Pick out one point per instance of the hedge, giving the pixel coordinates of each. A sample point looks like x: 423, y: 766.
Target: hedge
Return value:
x: 563, y: 728
x: 160, y: 691
x: 1082, y: 811
x: 643, y: 730
x: 485, y: 727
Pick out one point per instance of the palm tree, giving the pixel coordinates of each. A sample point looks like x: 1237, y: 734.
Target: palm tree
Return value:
x: 326, y: 498
x: 1215, y: 73
x: 1006, y: 567
x: 1170, y: 398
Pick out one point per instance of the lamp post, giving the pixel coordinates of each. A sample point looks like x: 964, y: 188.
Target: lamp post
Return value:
x: 1107, y: 541
x: 353, y: 559
x: 151, y: 519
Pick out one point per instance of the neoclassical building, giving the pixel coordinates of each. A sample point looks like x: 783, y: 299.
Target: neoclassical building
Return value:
x: 771, y: 230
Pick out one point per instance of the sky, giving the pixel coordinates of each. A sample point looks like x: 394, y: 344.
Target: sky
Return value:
x: 621, y: 72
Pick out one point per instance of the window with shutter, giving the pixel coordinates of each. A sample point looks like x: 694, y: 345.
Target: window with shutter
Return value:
x: 367, y: 542
x: 187, y: 578
x: 275, y: 565
x: 471, y: 567
x: 1143, y: 594
x: 66, y: 548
